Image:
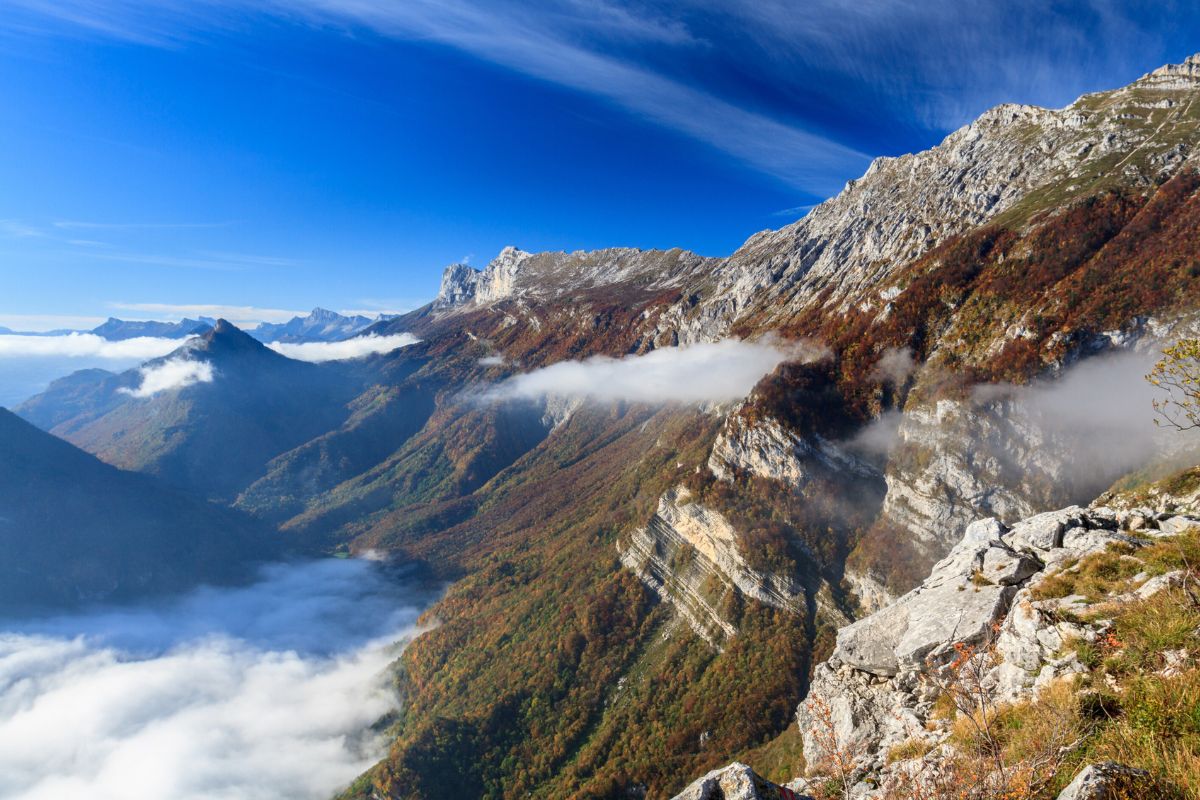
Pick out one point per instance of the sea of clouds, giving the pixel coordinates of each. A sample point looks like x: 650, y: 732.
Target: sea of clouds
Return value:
x: 29, y: 363
x: 261, y: 692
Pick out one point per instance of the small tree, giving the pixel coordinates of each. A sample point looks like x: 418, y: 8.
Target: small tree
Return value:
x: 838, y: 759
x: 1178, y: 373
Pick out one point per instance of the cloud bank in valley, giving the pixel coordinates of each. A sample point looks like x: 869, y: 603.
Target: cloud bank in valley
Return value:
x: 894, y: 366
x: 356, y: 347
x: 701, y: 373
x: 29, y: 363
x: 1100, y: 410
x: 257, y: 693
x: 174, y: 374
x: 86, y: 345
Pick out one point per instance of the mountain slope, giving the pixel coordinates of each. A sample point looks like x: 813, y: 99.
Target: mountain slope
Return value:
x: 76, y: 530
x: 212, y: 437
x: 1027, y: 243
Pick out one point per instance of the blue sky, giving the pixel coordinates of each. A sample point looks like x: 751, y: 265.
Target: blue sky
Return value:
x: 165, y: 157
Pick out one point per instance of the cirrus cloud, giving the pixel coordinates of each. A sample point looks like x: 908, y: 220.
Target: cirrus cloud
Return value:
x: 356, y: 347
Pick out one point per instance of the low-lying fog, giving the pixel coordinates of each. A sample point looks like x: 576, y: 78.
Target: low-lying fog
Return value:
x: 265, y: 691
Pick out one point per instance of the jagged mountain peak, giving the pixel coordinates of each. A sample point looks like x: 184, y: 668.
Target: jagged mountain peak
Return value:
x: 224, y: 329
x: 320, y: 325
x: 1187, y: 70
x: 1009, y: 164
x: 515, y: 273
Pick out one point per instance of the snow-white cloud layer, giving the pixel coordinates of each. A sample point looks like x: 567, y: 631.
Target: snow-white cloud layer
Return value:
x: 712, y: 372
x: 174, y: 374
x: 357, y: 347
x: 257, y: 693
x: 85, y: 345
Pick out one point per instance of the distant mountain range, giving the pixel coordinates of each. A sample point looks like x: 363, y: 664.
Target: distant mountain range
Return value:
x: 116, y: 330
x: 260, y: 400
x: 320, y: 325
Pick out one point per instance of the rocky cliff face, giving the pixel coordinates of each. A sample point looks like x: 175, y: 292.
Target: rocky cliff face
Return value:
x: 689, y: 555
x: 877, y: 691
x: 992, y: 606
x: 768, y: 450
x: 1014, y: 159
x: 515, y: 274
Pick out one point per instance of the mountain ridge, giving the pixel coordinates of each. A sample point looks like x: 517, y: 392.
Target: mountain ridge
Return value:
x: 77, y: 530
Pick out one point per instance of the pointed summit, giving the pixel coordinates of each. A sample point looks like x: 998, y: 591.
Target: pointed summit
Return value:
x: 226, y: 339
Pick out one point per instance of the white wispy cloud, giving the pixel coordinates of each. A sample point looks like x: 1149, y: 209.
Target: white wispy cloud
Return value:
x: 895, y: 365
x: 712, y: 372
x: 940, y: 64
x: 68, y: 224
x: 259, y: 693
x: 877, y: 64
x: 176, y: 373
x: 85, y: 345
x: 356, y: 347
x: 550, y: 47
x: 579, y: 45
x: 17, y: 229
x: 213, y: 261
x: 1099, y: 410
x: 795, y: 212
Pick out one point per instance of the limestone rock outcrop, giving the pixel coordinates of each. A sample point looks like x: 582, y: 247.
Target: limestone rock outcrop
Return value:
x: 516, y: 274
x: 1107, y: 780
x: 689, y: 555
x: 736, y: 782
x: 873, y: 693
